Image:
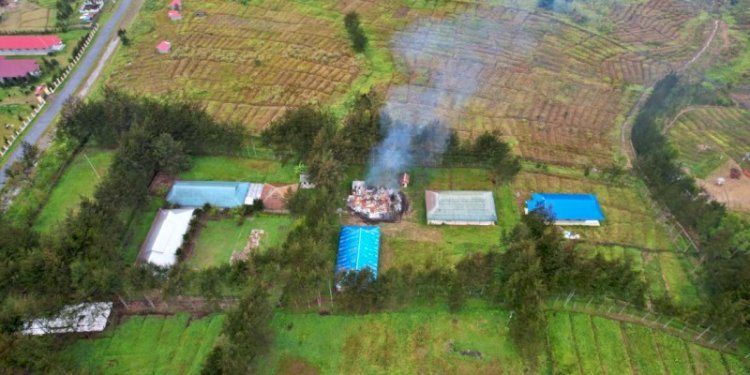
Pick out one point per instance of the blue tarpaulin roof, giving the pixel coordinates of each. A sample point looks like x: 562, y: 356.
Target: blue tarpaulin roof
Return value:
x: 216, y: 193
x: 359, y: 248
x: 572, y: 207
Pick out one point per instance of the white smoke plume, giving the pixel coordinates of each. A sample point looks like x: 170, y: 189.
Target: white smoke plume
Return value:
x: 445, y: 60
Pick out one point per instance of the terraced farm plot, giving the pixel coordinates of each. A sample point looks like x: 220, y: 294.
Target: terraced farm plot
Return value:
x: 706, y: 138
x: 146, y: 345
x: 244, y: 63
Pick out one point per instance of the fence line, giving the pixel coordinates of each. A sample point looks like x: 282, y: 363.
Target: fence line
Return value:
x: 58, y: 82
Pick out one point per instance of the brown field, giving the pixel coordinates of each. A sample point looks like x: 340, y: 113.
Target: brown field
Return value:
x: 25, y: 15
x: 735, y: 193
x: 243, y: 63
x: 556, y: 89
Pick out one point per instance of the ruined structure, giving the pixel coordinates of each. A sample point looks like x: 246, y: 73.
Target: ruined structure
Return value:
x: 376, y: 204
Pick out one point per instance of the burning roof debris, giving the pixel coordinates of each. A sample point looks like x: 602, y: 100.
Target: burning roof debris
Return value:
x: 376, y: 204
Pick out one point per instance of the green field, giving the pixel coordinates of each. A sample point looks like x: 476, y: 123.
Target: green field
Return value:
x: 420, y: 341
x: 707, y: 138
x: 78, y: 181
x: 147, y: 345
x: 219, y: 238
x: 222, y: 168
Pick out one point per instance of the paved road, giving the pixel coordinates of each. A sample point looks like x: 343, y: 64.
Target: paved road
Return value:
x: 55, y: 102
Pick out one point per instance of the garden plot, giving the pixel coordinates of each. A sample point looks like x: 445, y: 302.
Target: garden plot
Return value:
x: 27, y: 15
x: 244, y: 63
x: 147, y: 345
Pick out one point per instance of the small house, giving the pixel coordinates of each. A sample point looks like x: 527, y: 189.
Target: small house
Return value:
x: 175, y: 5
x: 568, y: 209
x: 174, y: 15
x: 164, y: 47
x: 41, y: 93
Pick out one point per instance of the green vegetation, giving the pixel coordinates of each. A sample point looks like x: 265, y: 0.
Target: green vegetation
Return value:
x: 615, y: 359
x: 356, y: 34
x: 79, y: 181
x: 561, y: 341
x: 225, y: 168
x: 219, y: 238
x: 588, y: 350
x: 147, y: 345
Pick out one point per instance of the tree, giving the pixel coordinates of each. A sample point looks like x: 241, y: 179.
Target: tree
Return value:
x: 326, y: 171
x: 170, y: 154
x: 293, y: 135
x: 355, y: 31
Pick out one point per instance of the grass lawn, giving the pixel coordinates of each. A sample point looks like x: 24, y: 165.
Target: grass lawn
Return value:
x: 586, y: 343
x: 220, y: 237
x: 674, y: 354
x: 147, y: 345
x: 614, y: 356
x: 410, y: 342
x: 223, y: 168
x: 646, y: 359
x: 78, y: 181
x: 561, y: 342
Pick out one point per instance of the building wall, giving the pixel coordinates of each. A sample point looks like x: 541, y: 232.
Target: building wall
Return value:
x: 586, y: 223
x: 29, y: 52
x: 443, y: 222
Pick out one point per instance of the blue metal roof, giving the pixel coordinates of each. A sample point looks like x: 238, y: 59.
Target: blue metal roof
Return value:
x: 359, y: 248
x: 573, y: 207
x: 216, y: 193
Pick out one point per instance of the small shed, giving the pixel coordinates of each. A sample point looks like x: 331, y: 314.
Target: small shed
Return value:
x: 174, y: 15
x: 165, y: 236
x: 274, y: 197
x: 80, y: 318
x: 164, y: 47
x: 175, y: 5
x: 304, y: 181
x: 359, y: 248
x: 568, y: 209
x: 460, y: 207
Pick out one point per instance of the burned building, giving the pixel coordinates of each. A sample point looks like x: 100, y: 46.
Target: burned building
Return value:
x: 376, y: 204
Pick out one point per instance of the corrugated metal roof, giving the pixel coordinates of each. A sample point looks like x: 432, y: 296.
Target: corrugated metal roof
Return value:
x: 460, y: 206
x: 359, y: 248
x: 28, y: 42
x: 254, y: 192
x: 574, y: 207
x: 216, y: 193
x: 166, y: 235
x: 84, y: 317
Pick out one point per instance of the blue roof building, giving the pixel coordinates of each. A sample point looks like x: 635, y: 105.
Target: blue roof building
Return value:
x: 568, y: 209
x: 222, y: 194
x: 359, y: 248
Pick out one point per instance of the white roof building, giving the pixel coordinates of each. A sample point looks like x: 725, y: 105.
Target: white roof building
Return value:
x: 84, y: 317
x: 165, y: 236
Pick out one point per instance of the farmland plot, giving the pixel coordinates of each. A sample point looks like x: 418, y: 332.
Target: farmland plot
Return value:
x: 242, y: 63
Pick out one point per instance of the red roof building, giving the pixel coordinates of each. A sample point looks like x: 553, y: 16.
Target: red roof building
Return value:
x: 30, y: 44
x: 10, y: 69
x: 175, y: 5
x: 174, y: 15
x: 164, y: 47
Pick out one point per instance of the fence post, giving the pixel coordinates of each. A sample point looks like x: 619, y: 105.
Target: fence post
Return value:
x: 703, y: 333
x: 667, y: 323
x: 588, y: 303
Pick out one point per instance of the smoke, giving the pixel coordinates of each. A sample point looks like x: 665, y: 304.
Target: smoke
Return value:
x: 445, y: 61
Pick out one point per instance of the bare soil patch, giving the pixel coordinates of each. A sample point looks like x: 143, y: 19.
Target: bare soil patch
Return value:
x: 735, y: 193
x: 25, y: 15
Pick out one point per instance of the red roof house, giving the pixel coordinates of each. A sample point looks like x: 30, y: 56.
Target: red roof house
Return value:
x: 274, y: 196
x: 30, y: 44
x: 175, y: 5
x: 164, y: 47
x: 10, y: 69
x: 174, y: 15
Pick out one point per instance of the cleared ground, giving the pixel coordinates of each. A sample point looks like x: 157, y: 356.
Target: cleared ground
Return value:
x: 147, y: 345
x: 430, y: 341
x: 219, y: 238
x: 221, y: 168
x: 711, y: 141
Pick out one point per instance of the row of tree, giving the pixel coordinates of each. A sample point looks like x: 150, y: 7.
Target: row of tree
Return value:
x: 724, y: 239
x: 83, y: 259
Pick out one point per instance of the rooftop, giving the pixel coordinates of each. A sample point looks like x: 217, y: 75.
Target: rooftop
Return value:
x: 8, y: 42
x: 460, y: 206
x: 359, y: 248
x: 567, y: 207
x: 166, y: 235
x: 17, y: 67
x: 223, y: 194
x: 84, y: 317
